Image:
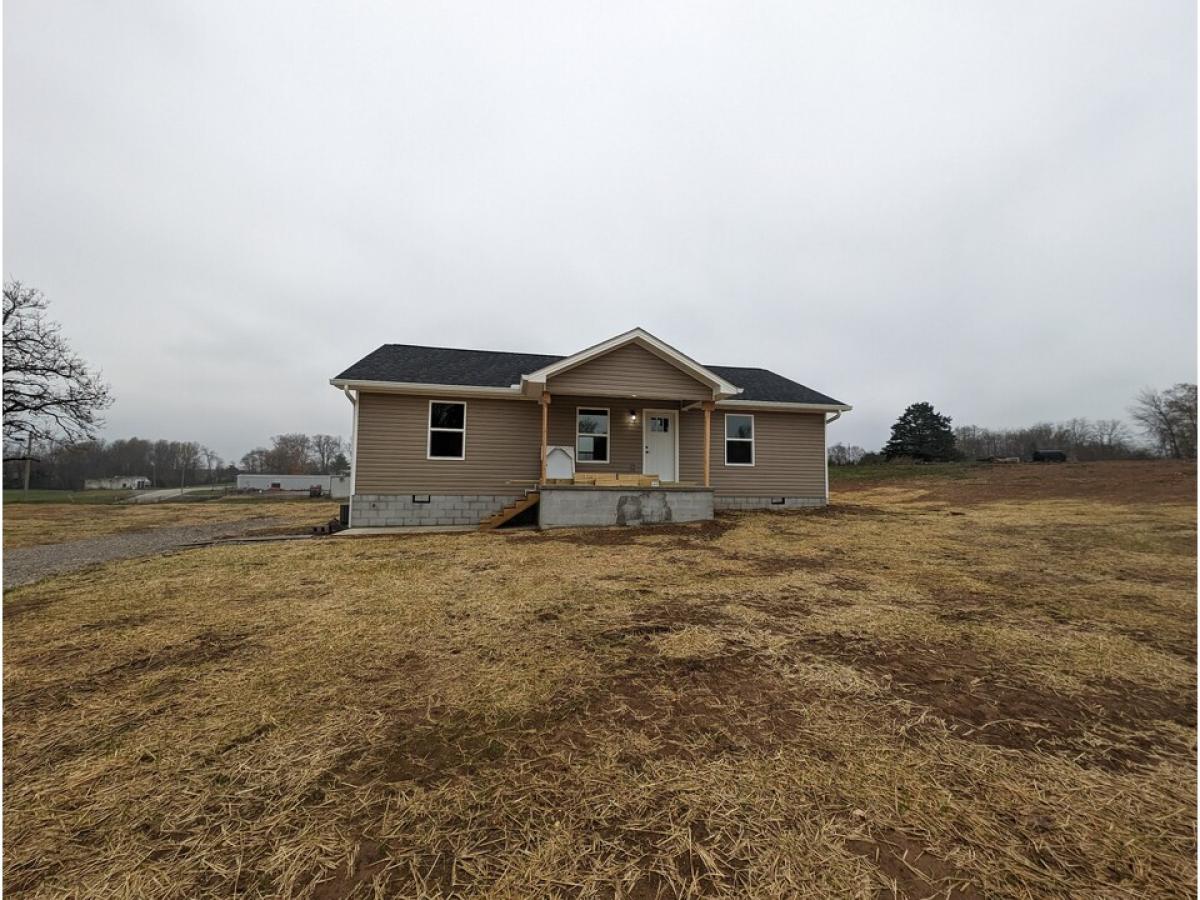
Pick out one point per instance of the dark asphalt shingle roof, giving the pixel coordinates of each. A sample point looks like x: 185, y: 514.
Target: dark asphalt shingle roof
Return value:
x: 491, y: 368
x: 763, y: 384
x: 442, y: 365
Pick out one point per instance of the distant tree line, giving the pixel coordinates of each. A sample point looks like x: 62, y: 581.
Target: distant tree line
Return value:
x: 299, y: 454
x: 1080, y: 439
x: 1165, y: 419
x: 65, y: 466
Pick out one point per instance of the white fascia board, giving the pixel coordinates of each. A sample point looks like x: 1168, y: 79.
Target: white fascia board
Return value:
x: 410, y: 387
x: 783, y: 407
x: 637, y: 335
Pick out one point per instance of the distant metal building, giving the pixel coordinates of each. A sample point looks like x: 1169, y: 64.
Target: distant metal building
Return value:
x: 333, y: 485
x: 117, y: 483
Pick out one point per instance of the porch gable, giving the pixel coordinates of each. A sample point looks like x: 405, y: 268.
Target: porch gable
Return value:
x: 629, y: 371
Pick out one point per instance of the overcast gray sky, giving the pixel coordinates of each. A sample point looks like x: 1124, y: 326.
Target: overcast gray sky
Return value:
x: 987, y: 205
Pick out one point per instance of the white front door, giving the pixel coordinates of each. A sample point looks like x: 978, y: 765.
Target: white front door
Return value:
x: 660, y: 429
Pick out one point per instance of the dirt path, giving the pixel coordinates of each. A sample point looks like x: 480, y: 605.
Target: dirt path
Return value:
x: 23, y: 565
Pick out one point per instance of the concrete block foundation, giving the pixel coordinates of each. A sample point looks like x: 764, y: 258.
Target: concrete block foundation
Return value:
x: 562, y: 506
x: 734, y: 503
x: 399, y: 510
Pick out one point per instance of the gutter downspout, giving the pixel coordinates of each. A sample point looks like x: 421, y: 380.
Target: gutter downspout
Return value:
x: 825, y: 434
x: 353, y: 398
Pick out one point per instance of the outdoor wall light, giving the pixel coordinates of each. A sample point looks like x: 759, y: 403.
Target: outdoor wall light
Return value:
x: 633, y: 415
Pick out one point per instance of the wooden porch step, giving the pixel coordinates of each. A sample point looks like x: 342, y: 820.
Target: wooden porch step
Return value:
x: 510, y: 511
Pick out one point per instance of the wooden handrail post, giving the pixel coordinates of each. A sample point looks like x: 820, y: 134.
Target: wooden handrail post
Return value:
x: 708, y: 409
x: 545, y: 403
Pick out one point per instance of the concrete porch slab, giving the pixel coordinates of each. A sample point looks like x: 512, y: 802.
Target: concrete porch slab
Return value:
x: 569, y: 506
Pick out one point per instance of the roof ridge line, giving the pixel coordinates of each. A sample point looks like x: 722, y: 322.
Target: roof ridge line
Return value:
x: 473, y: 350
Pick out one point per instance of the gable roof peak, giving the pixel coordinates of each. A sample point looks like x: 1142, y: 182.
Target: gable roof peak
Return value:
x: 644, y: 338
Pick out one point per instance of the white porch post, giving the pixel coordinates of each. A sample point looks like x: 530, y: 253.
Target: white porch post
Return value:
x: 545, y: 404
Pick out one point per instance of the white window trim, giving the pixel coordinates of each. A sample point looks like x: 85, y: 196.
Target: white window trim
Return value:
x: 725, y: 439
x: 608, y: 434
x: 429, y: 430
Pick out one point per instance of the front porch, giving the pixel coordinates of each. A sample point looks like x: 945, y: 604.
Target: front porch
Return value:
x: 624, y: 454
x: 590, y: 499
x: 624, y: 440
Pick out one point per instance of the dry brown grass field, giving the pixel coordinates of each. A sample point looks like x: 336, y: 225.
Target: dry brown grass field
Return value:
x: 35, y: 524
x: 967, y: 687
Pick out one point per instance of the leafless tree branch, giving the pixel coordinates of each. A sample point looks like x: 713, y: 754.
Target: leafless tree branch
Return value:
x: 50, y: 393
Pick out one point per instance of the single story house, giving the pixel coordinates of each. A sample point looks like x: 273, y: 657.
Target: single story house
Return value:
x: 628, y: 431
x: 117, y: 483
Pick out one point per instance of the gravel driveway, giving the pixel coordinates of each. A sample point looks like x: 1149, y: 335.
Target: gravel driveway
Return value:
x: 25, y: 564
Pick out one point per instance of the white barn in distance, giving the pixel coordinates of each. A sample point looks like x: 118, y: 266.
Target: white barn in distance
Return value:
x: 333, y: 485
x: 117, y: 483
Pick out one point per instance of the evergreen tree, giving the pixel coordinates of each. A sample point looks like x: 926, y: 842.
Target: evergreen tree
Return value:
x: 340, y: 465
x: 922, y: 433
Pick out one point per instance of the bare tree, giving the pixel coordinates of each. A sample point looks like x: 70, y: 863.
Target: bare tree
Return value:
x: 290, y: 454
x: 1168, y: 418
x: 1181, y: 403
x: 325, y: 449
x: 1078, y: 432
x: 842, y: 455
x: 1111, y: 434
x: 50, y: 394
x: 189, y: 458
x: 212, y: 461
x: 255, y: 460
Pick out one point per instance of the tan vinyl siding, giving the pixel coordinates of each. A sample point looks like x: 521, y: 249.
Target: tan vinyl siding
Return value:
x: 502, y: 445
x: 624, y: 439
x: 503, y: 438
x: 789, y: 455
x: 629, y: 370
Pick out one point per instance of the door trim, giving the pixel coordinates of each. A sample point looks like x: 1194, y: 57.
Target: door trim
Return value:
x: 673, y: 414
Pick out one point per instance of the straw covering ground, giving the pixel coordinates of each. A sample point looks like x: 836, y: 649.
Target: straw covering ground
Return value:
x: 37, y: 524
x: 972, y: 686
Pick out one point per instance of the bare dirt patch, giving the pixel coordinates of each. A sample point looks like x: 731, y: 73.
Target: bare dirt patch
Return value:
x: 204, y: 649
x: 908, y: 869
x: 692, y: 708
x: 983, y: 701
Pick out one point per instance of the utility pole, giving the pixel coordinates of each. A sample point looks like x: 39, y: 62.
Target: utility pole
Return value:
x: 28, y: 459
